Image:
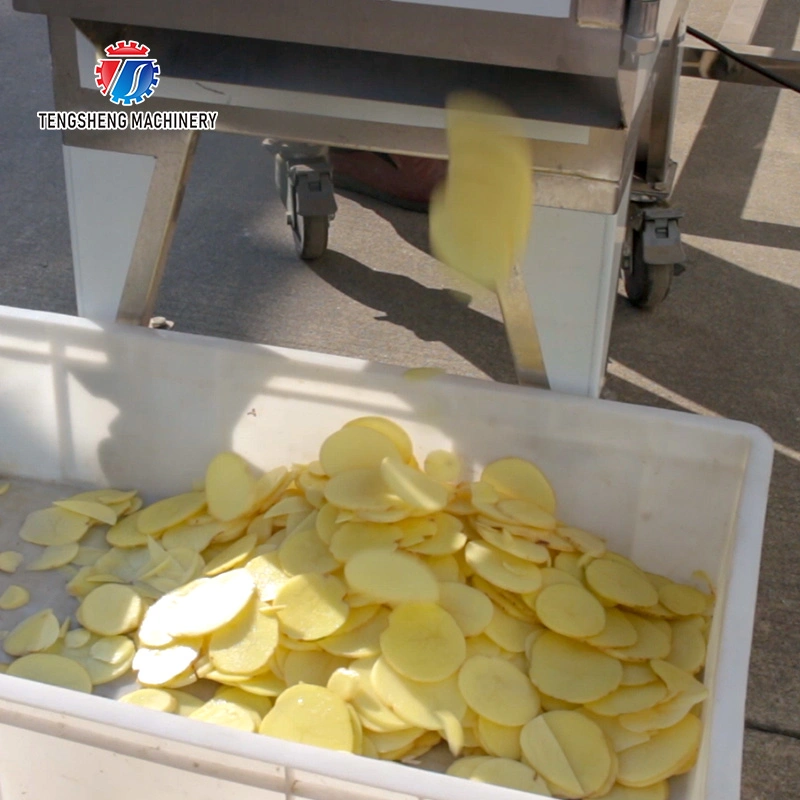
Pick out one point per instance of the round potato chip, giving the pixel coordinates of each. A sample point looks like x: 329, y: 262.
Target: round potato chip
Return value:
x: 442, y: 466
x: 111, y: 609
x: 618, y: 631
x: 628, y: 699
x: 652, y: 641
x: 218, y: 711
x: 498, y: 691
x: 359, y: 490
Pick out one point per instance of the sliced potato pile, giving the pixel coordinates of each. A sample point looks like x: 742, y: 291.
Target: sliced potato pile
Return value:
x: 367, y: 604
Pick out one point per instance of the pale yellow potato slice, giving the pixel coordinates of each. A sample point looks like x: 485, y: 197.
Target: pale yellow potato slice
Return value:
x: 88, y: 556
x: 266, y: 685
x: 95, y: 511
x: 499, y: 740
x: 442, y: 466
x: 421, y: 747
x: 629, y: 699
x: 482, y: 645
x: 228, y: 714
x: 113, y: 650
x: 451, y: 731
x: 419, y: 704
x: 663, y: 755
x: 688, y: 646
x: 471, y: 609
x: 157, y: 667
x: 417, y: 529
x: 169, y: 512
x: 311, y: 715
x: 447, y: 540
x: 544, y: 753
x: 10, y: 561
x: 34, y: 634
x: 391, y: 430
x: 155, y: 699
x: 126, y: 534
x: 518, y: 478
x: 413, y: 487
x: 620, y: 738
x: 232, y: 531
x: 233, y: 694
x: 386, y: 742
x: 303, y: 551
x: 246, y: 644
x: 326, y: 523
x: 498, y: 691
x: 311, y: 606
x: 571, y: 670
x: 77, y: 638
x: 186, y: 703
x: 652, y: 641
x: 665, y: 714
x: 262, y: 527
x: 511, y: 603
x: 423, y: 642
x: 618, y: 631
x: 464, y: 767
x: 359, y: 490
x: 554, y: 704
x: 391, y: 577
x: 311, y: 666
x: 351, y: 538
x: 582, y: 540
x: 570, y: 563
x: 509, y: 773
x: 637, y: 674
x: 616, y: 582
x: 357, y: 617
x: 355, y: 686
x: 570, y: 610
x: 657, y: 791
x: 508, y: 632
x: 445, y: 569
x: 526, y: 512
x: 53, y: 669
x: 515, y: 545
x: 54, y: 556
x: 268, y: 574
x: 356, y: 446
x: 50, y: 526
x: 111, y: 609
x: 232, y: 556
x: 360, y: 642
x: 676, y: 679
x: 501, y: 569
x: 210, y: 603
x: 682, y: 600
x: 14, y: 597
x: 230, y: 487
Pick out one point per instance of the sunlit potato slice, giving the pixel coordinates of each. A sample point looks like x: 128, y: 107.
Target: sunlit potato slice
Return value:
x: 570, y: 610
x: 518, y: 478
x: 416, y: 489
x: 515, y: 545
x: 359, y: 490
x: 508, y: 632
x: 471, y: 609
x: 351, y: 538
x: 111, y: 609
x: 246, y: 644
x: 617, y: 582
x: 355, y: 447
x: 14, y: 597
x: 501, y: 569
x: 688, y: 647
x: 629, y: 699
x: 442, y: 466
x: 228, y: 714
x: 126, y: 534
x: 303, y: 551
x: 154, y: 699
x: 311, y: 666
x: 51, y: 669
x: 230, y: 487
x: 390, y: 429
x: 386, y: 742
x: 498, y: 691
x: 311, y: 606
x: 652, y: 641
x: 33, y: 634
x: 621, y: 738
x: 157, y: 667
x: 268, y: 574
x: 682, y: 600
x: 360, y: 642
x: 391, y: 577
x: 618, y: 631
x: 54, y: 526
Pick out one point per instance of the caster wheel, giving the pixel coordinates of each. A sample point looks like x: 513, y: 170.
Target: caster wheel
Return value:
x: 311, y: 237
x: 646, y: 285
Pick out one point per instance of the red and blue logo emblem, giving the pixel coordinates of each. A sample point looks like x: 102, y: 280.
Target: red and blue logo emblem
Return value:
x: 126, y: 76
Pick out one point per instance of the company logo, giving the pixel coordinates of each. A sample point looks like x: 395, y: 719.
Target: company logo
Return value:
x: 126, y: 75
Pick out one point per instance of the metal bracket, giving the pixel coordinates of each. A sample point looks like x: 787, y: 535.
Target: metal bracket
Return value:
x: 311, y: 190
x: 661, y: 236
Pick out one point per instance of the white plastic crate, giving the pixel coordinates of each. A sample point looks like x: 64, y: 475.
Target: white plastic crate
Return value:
x: 89, y: 405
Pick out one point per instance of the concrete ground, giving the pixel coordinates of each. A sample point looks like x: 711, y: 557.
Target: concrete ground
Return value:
x: 726, y: 341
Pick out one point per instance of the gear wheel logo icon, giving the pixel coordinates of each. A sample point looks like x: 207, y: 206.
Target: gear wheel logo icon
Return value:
x: 126, y: 76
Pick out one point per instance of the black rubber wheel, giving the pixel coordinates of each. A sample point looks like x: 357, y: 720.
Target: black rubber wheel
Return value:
x: 311, y: 237
x: 646, y: 285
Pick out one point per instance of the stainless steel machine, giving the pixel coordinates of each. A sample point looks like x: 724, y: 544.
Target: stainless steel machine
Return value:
x: 593, y: 80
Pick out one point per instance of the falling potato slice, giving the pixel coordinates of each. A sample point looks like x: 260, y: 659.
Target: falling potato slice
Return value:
x: 423, y: 642
x: 310, y: 715
x: 501, y: 569
x: 498, y: 691
x: 95, y: 511
x: 245, y: 646
x: 52, y: 526
x: 53, y: 669
x: 570, y: 610
x: 391, y: 577
x: 414, y: 488
x: 517, y: 478
x: 34, y: 634
x: 10, y: 561
x: 155, y: 699
x: 169, y: 512
x: 573, y: 671
x: 311, y: 606
x: 54, y: 557
x: 14, y: 597
x: 662, y: 756
x: 471, y: 609
x: 619, y: 583
x: 111, y: 609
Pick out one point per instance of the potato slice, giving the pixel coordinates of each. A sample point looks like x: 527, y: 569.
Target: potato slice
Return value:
x: 391, y: 430
x: 618, y: 631
x: 512, y: 604
x: 445, y: 569
x: 573, y: 671
x: 620, y: 738
x: 657, y: 791
x: 354, y: 537
x: 617, y: 582
x: 355, y: 686
x: 570, y: 610
x: 448, y: 539
x: 391, y: 577
x: 509, y: 773
x: 584, y: 747
x: 682, y: 600
x: 360, y: 642
x: 260, y: 705
x: 50, y: 526
x: 126, y: 534
x: 526, y: 512
x: 471, y: 609
x: 88, y: 556
x: 53, y: 669
x: 356, y: 446
x: 155, y: 699
x: 628, y: 699
x: 232, y: 556
x: 310, y: 715
x: 508, y: 632
x: 113, y: 650
x: 465, y: 767
x: 311, y: 606
x: 77, y: 638
x: 498, y: 691
x: 303, y: 551
x: 32, y: 635
x: 413, y: 487
x: 515, y: 477
x: 637, y: 674
x: 94, y: 510
x: 394, y: 740
x: 111, y: 609
x: 359, y: 490
x: 230, y: 487
x: 186, y: 703
x: 442, y: 466
x: 499, y: 740
x: 501, y: 569
x: 10, y: 561
x: 651, y: 641
x: 265, y: 685
x: 246, y: 644
x: 169, y: 512
x: 14, y: 597
x: 676, y: 679
x: 664, y: 715
x: 660, y: 757
x: 515, y: 545
x: 423, y: 642
x: 268, y: 574
x: 688, y: 647
x: 159, y: 667
x: 311, y: 666
x: 419, y: 704
x: 583, y: 541
x: 229, y: 714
